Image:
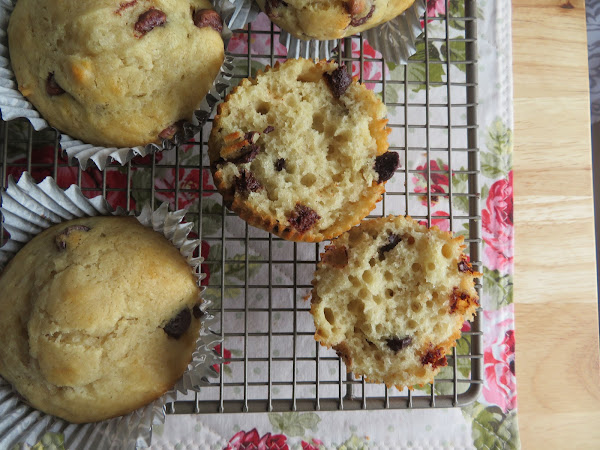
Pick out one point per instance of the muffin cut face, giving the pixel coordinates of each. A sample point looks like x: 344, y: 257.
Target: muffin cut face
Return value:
x: 301, y: 150
x: 331, y: 19
x: 115, y: 73
x: 100, y: 316
x: 390, y: 296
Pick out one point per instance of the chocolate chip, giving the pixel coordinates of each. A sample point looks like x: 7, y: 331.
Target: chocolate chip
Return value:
x: 150, y: 19
x: 268, y: 129
x: 179, y: 324
x: 464, y: 266
x: 393, y: 240
x: 338, y: 81
x: 303, y: 218
x: 208, y: 18
x: 396, y: 344
x: 386, y: 165
x: 270, y: 5
x: 247, y: 183
x: 61, y: 238
x: 459, y: 301
x: 280, y: 164
x: 52, y: 87
x: 335, y: 256
x: 248, y: 153
x: 252, y: 136
x: 357, y: 22
x: 435, y: 357
x: 197, y: 311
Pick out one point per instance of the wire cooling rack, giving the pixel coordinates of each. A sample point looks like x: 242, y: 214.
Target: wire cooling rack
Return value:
x: 257, y: 281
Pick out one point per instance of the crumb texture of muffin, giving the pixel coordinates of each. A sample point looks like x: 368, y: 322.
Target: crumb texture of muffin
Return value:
x: 331, y: 19
x: 301, y: 150
x: 114, y: 73
x: 391, y: 296
x: 100, y: 316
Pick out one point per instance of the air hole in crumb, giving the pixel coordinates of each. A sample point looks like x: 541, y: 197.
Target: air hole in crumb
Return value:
x: 447, y: 251
x: 437, y: 329
x: 410, y: 240
x: 429, y: 304
x: 389, y: 293
x: 329, y: 315
x: 442, y: 311
x: 354, y: 281
x: 388, y: 276
x: 411, y: 324
x: 263, y: 108
x: 416, y: 267
x: 420, y: 372
x: 309, y: 179
x: 356, y: 306
x: 378, y: 299
x: 379, y: 328
x: 415, y: 306
x: 431, y: 266
x: 434, y: 295
x: 367, y: 276
x: 363, y: 293
x: 318, y: 123
x: 337, y: 178
x: 372, y: 262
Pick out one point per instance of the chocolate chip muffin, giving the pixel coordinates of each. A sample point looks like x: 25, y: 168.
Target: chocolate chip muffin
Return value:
x: 301, y: 150
x: 114, y: 73
x: 390, y: 296
x: 331, y: 19
x: 100, y: 316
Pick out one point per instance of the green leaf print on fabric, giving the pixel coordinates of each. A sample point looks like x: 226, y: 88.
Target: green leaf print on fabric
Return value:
x: 354, y: 443
x: 417, y: 71
x: 211, y: 217
x: 497, y: 161
x: 498, y: 286
x: 140, y: 180
x: 457, y: 53
x: 294, y: 424
x: 492, y: 429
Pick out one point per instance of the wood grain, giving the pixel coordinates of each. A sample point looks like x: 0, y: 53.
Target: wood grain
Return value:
x: 556, y: 305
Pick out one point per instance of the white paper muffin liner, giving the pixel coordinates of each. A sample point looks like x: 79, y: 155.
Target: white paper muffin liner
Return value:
x: 395, y: 39
x: 29, y: 208
x: 14, y: 105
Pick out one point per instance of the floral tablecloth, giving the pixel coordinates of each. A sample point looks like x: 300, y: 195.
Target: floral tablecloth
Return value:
x: 491, y: 421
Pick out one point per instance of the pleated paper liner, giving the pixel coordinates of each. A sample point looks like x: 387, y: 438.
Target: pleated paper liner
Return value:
x: 395, y: 39
x: 14, y: 105
x: 28, y: 209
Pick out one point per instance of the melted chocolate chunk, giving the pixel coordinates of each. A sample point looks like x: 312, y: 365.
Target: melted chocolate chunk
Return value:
x: 459, y: 301
x: 335, y: 256
x: 396, y: 344
x: 338, y: 81
x: 171, y: 130
x: 61, y: 238
x: 247, y: 183
x: 248, y: 153
x: 268, y: 129
x: 464, y: 266
x: 303, y: 218
x: 280, y: 164
x: 358, y: 21
x: 52, y: 87
x: 393, y: 240
x: 270, y: 5
x: 386, y: 165
x: 149, y: 20
x: 197, y: 311
x: 435, y: 357
x: 208, y: 18
x: 179, y: 324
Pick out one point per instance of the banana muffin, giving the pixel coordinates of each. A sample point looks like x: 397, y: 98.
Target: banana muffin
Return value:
x: 390, y: 296
x: 100, y: 316
x: 301, y: 150
x: 331, y: 19
x: 115, y: 73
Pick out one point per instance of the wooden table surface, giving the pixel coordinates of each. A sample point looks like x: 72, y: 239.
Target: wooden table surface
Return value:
x: 558, y: 376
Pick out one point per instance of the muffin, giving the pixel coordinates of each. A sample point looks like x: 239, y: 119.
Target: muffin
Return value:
x: 327, y: 19
x: 100, y: 316
x: 390, y: 296
x: 113, y: 73
x: 301, y: 150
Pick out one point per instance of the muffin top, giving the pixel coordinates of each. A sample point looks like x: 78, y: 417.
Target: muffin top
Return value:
x: 390, y: 296
x: 115, y: 73
x: 331, y: 19
x: 301, y: 150
x: 99, y: 316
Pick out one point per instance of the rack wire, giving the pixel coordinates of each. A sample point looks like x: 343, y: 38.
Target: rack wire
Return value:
x: 257, y: 281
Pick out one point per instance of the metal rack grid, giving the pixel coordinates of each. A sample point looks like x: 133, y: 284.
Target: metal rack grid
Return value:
x: 318, y: 380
